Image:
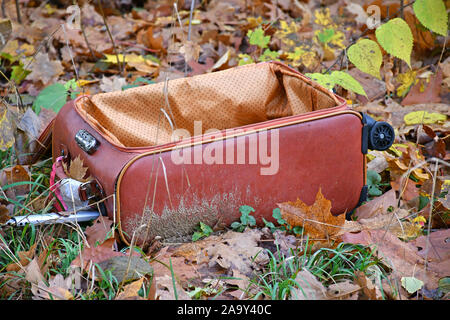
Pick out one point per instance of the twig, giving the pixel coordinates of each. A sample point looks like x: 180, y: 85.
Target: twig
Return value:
x: 430, y: 217
x: 19, y: 18
x: 342, y: 54
x: 110, y: 37
x: 3, y: 9
x: 130, y: 44
x: 85, y: 37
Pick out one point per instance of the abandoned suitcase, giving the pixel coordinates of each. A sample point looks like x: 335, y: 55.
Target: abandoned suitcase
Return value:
x: 169, y: 155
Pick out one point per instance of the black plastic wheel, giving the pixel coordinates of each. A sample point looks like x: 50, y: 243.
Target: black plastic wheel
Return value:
x: 381, y: 136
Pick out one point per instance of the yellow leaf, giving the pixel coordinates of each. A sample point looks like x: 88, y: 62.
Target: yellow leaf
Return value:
x: 406, y: 230
x: 131, y: 290
x: 419, y: 117
x: 323, y: 17
x: 82, y: 83
x: 406, y: 79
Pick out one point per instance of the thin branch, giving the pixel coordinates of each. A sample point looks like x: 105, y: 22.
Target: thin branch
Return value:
x: 341, y: 56
x: 110, y: 36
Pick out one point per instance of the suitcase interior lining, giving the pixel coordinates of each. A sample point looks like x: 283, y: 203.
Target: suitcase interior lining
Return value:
x: 249, y: 94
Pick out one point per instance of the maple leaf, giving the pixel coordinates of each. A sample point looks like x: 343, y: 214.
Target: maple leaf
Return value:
x: 76, y: 170
x: 111, y: 84
x: 44, y: 69
x: 316, y: 220
x: 257, y: 37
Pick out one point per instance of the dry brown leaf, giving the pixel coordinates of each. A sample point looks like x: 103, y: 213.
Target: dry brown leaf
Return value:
x: 4, y: 214
x: 401, y: 257
x: 24, y: 259
x: 379, y: 205
x: 165, y: 290
x: 130, y: 291
x: 98, y: 232
x: 76, y: 170
x: 425, y: 91
x: 33, y: 272
x: 438, y: 246
x: 183, y: 271
x: 345, y: 290
x: 238, y: 251
x: 369, y: 290
x: 44, y: 69
x: 310, y: 287
x: 316, y: 220
x: 15, y: 174
x: 57, y: 289
x: 97, y: 254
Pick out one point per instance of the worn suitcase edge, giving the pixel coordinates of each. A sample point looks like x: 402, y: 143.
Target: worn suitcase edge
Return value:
x: 199, y: 140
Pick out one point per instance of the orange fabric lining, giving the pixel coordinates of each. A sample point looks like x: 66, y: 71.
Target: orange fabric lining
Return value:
x: 220, y: 100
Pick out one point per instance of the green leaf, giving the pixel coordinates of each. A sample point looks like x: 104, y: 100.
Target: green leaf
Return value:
x: 257, y: 37
x: 246, y: 209
x: 347, y: 82
x: 419, y: 117
x: 245, y: 59
x: 276, y: 213
x: 269, y: 225
x: 432, y: 14
x: 373, y: 180
x: 52, y: 97
x: 324, y: 80
x: 251, y: 221
x: 366, y: 56
x: 197, y: 236
x: 444, y: 285
x: 18, y: 73
x: 411, y: 284
x: 206, y: 229
x: 269, y: 55
x: 326, y: 35
x: 297, y: 230
x: 396, y: 38
x: 235, y: 225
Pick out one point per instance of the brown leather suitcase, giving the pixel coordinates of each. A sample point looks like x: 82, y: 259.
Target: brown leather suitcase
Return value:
x: 168, y: 155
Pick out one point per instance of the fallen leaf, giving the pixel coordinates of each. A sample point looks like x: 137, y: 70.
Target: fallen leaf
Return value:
x: 44, y: 69
x: 316, y: 220
x: 345, y: 290
x: 238, y: 251
x: 429, y: 94
x: 411, y: 284
x: 438, y: 246
x: 130, y: 291
x: 15, y: 174
x: 99, y: 231
x: 7, y: 128
x: 24, y: 258
x: 165, y: 289
x: 378, y: 205
x: 126, y: 268
x: 401, y: 257
x: 113, y: 83
x: 310, y: 287
x: 58, y: 289
x: 97, y: 254
x: 4, y: 214
x: 76, y: 170
x: 370, y: 291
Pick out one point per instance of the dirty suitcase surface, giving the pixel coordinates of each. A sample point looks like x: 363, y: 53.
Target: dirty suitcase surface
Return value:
x: 169, y: 155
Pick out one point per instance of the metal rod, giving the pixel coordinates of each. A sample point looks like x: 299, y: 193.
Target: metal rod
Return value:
x: 53, y: 218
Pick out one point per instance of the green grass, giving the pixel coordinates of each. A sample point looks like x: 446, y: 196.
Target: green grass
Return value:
x: 278, y: 280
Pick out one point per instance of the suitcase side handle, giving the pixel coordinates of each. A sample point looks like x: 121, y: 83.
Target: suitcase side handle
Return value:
x: 377, y: 135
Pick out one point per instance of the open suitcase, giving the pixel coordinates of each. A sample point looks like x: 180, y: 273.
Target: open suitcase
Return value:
x: 168, y: 155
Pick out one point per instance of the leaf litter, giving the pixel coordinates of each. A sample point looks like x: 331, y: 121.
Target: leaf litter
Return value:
x: 223, y: 35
